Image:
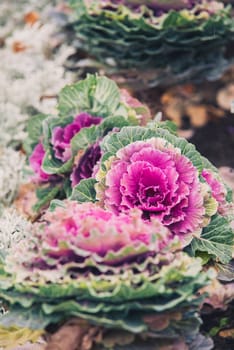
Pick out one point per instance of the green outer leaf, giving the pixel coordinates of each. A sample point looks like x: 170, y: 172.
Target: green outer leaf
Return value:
x: 113, y: 142
x: 84, y: 191
x: 32, y: 318
x: 208, y: 165
x: 51, y: 165
x: 34, y: 130
x: 167, y: 125
x: 96, y: 95
x: 126, y: 315
x: 34, y: 127
x: 117, y: 121
x: 106, y: 98
x: 216, y: 240
x: 38, y: 317
x: 175, y: 19
x: 132, y: 321
x: 67, y: 187
x: 88, y: 136
x: 48, y: 194
x: 56, y: 203
x: 171, y: 288
x: 85, y: 138
x: 79, y: 5
x: 49, y: 124
x: 76, y: 98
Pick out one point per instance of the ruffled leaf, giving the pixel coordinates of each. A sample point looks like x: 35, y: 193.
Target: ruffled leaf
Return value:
x: 34, y: 130
x: 184, y: 42
x: 113, y: 142
x: 216, y: 240
x: 123, y: 299
x: 88, y: 136
x: 84, y: 191
x: 46, y: 195
x: 49, y: 124
x: 56, y: 203
x: 98, y: 96
x: 52, y: 165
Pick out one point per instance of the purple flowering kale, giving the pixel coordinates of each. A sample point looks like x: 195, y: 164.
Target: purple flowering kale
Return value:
x: 65, y: 149
x: 164, y: 176
x: 84, y: 166
x: 117, y: 272
x: 156, y: 41
x: 35, y: 161
x: 61, y: 136
x: 154, y: 177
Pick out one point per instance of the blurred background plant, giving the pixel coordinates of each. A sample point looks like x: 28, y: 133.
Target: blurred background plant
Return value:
x: 155, y: 42
x: 32, y: 72
x: 198, y: 102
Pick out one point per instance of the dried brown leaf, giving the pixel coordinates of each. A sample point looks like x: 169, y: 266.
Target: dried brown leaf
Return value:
x: 25, y: 200
x: 117, y: 337
x: 174, y: 111
x: 161, y: 322
x: 198, y: 114
x: 18, y: 46
x: 31, y: 17
x: 74, y: 334
x: 227, y: 333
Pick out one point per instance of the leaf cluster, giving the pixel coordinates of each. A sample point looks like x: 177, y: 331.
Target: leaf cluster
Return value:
x: 216, y: 239
x: 181, y: 42
x: 126, y: 297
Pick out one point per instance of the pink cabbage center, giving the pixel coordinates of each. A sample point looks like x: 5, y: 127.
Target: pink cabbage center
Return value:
x: 161, y: 182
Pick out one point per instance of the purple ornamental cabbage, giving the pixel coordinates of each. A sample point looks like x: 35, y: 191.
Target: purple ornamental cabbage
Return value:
x: 61, y: 141
x: 35, y: 161
x: 166, y: 178
x: 85, y: 165
x: 119, y: 273
x: 155, y: 177
x: 59, y: 154
x: 161, y: 183
x: 61, y: 136
x: 183, y: 28
x: 94, y: 230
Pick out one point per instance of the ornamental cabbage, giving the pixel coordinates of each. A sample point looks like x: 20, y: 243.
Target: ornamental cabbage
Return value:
x: 115, y: 272
x: 155, y: 42
x: 65, y: 149
x: 155, y: 177
x: 165, y: 177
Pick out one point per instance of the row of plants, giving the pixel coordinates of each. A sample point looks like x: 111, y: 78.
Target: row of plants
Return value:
x: 131, y: 226
x: 122, y: 231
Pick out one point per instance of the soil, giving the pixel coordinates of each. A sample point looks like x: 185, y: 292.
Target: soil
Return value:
x: 211, y: 325
x: 216, y: 141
